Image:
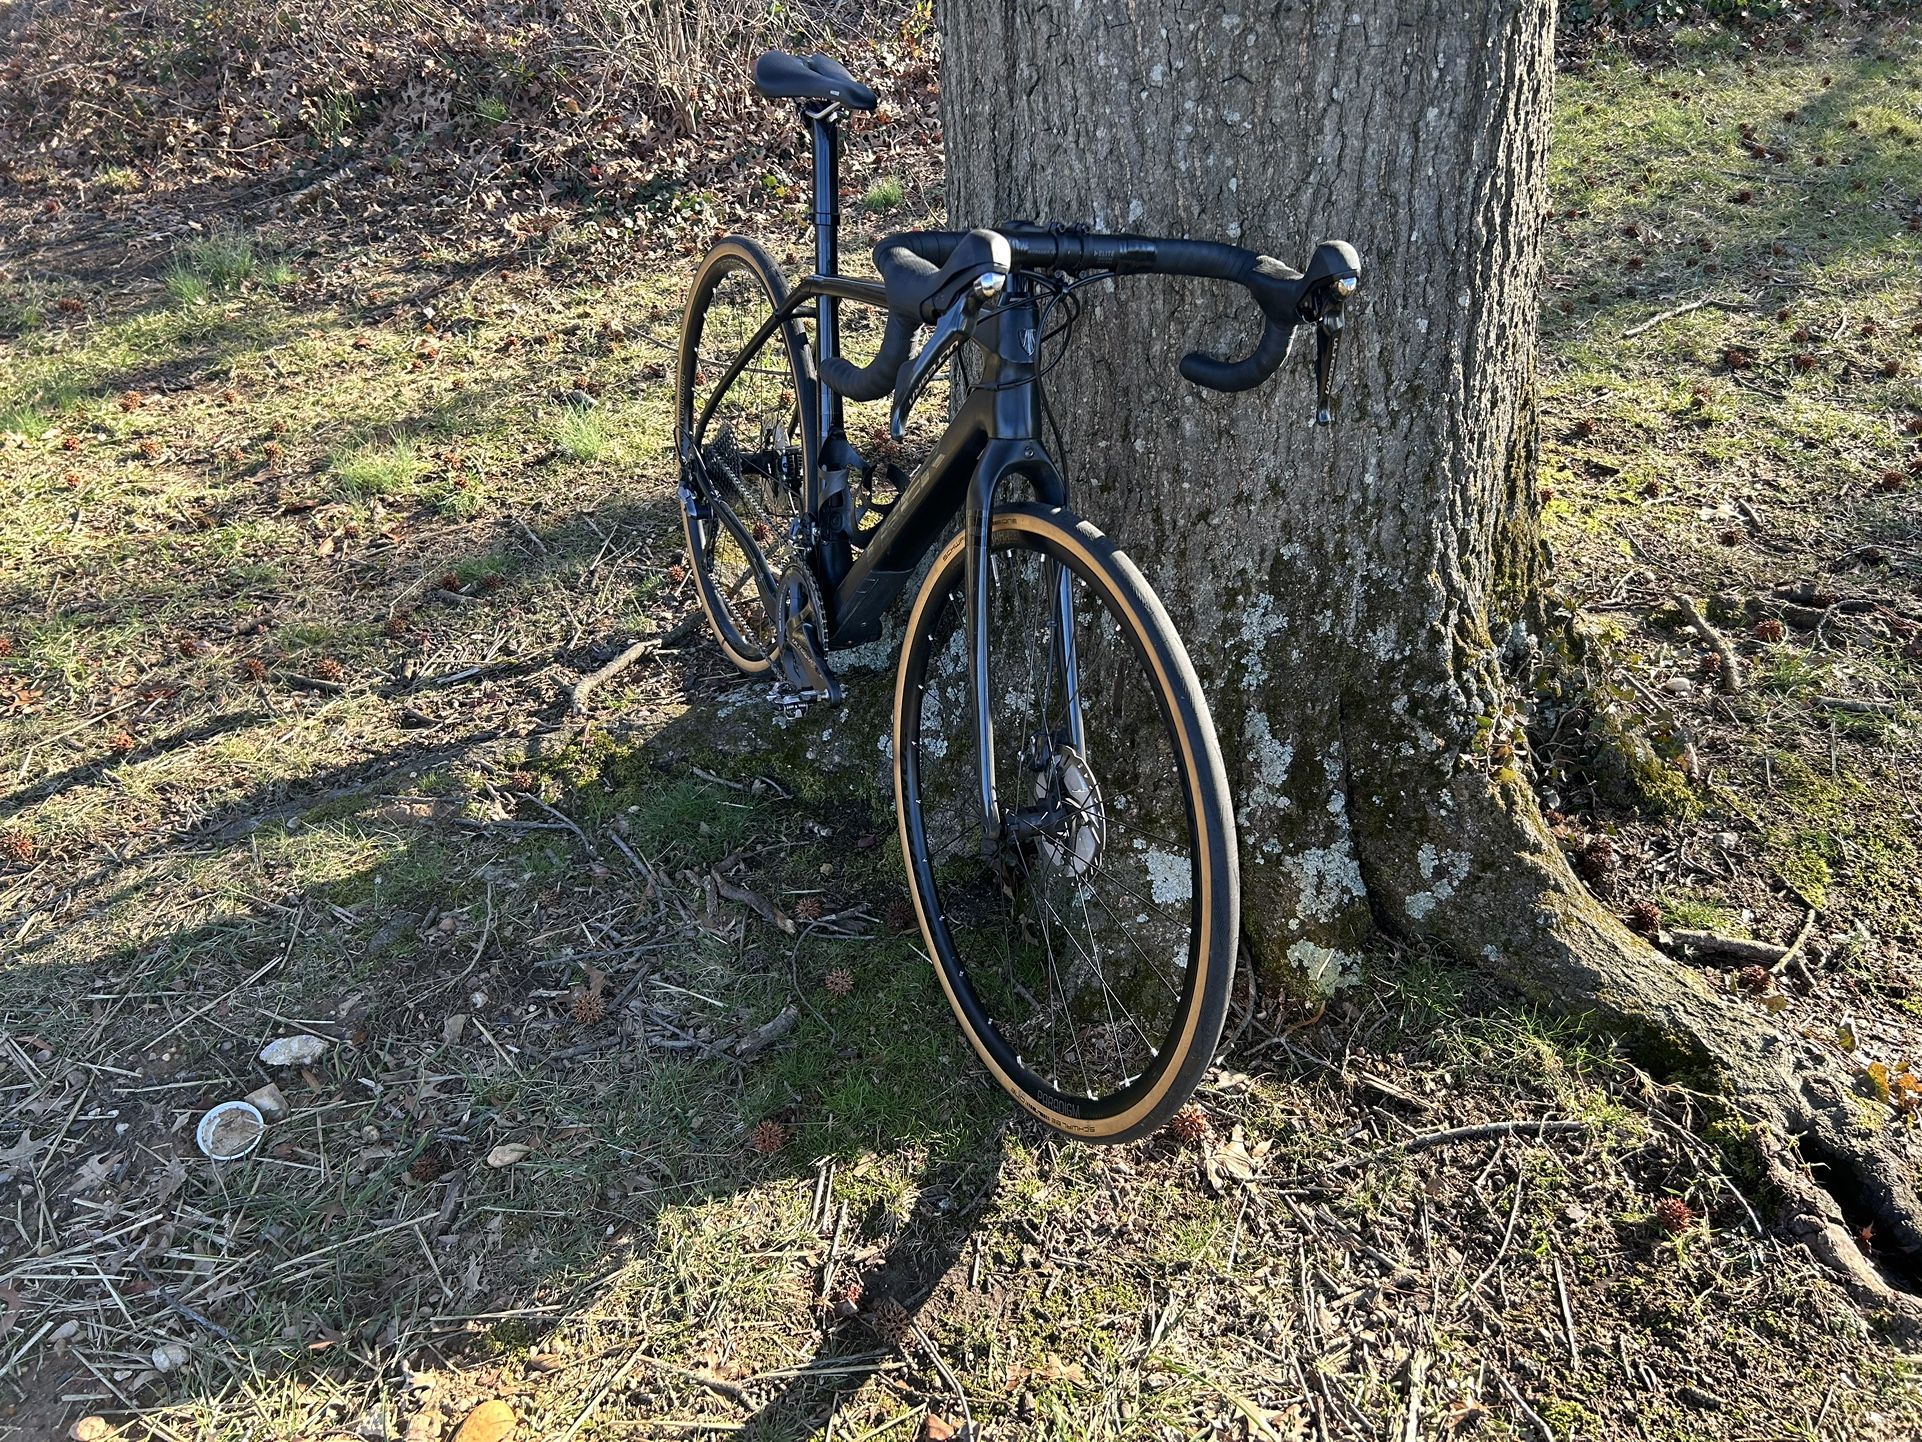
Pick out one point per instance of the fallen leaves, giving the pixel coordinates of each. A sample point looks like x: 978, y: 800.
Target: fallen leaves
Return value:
x: 1235, y: 1161
x: 492, y: 1421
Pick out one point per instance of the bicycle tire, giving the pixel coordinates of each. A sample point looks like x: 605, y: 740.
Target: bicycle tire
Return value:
x: 728, y: 534
x: 973, y: 984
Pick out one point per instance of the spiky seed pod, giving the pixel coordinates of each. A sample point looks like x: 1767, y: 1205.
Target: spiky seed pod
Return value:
x: 1645, y: 917
x: 768, y: 1138
x: 1190, y: 1125
x: 1754, y: 978
x: 587, y: 1007
x: 1674, y: 1215
x: 890, y: 1321
x: 839, y: 982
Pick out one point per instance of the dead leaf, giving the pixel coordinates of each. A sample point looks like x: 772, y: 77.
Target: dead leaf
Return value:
x: 508, y: 1153
x: 1878, y: 1076
x: 492, y: 1421
x: 937, y: 1428
x: 23, y: 1151
x: 1056, y: 1370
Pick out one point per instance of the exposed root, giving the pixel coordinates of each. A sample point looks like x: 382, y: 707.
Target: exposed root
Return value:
x: 1521, y: 913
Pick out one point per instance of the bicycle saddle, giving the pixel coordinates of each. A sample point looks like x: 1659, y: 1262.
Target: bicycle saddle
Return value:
x: 780, y: 76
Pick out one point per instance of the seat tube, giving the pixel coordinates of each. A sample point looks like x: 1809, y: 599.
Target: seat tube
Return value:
x: 827, y: 261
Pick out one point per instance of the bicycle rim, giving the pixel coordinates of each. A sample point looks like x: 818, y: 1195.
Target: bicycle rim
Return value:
x: 1089, y: 960
x: 742, y: 436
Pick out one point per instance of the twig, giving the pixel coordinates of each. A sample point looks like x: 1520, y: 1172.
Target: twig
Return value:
x: 763, y: 1037
x: 1706, y: 300
x: 834, y: 1251
x: 1727, y: 948
x: 1795, y: 946
x: 765, y: 909
x: 1485, y: 1132
x: 580, y: 835
x: 961, y: 1396
x: 1417, y: 1374
x: 1861, y: 705
x: 1731, y: 664
x: 173, y: 1303
x: 1568, y: 1314
x: 1508, y: 1235
x: 594, y: 1402
x: 585, y: 686
x: 1548, y: 1434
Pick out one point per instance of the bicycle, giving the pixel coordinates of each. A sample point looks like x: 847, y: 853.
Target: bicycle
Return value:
x: 1064, y: 812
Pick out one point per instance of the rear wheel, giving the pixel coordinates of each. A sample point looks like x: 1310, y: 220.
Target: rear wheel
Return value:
x: 1088, y: 952
x: 743, y: 422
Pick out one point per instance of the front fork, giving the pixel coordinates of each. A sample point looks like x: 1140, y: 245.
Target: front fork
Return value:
x: 1001, y: 459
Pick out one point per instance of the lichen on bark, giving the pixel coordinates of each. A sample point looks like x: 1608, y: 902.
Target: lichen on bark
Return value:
x: 1348, y: 597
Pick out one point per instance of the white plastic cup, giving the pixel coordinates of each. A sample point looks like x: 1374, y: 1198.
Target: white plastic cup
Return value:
x: 230, y: 1131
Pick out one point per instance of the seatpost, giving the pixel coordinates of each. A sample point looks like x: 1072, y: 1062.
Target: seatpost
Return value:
x: 824, y: 123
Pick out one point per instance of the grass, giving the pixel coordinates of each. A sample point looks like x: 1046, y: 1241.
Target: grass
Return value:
x: 376, y: 468
x: 885, y: 194
x: 579, y: 435
x: 507, y: 922
x: 216, y: 264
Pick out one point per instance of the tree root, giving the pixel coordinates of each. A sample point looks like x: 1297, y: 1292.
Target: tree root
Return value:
x: 1825, y: 1147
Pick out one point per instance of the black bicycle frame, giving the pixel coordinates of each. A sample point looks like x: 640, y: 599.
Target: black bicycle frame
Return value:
x: 993, y: 437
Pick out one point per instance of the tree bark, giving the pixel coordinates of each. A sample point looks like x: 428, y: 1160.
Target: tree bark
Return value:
x: 1348, y: 593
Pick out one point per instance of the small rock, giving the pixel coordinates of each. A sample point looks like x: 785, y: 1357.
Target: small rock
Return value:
x: 269, y: 1102
x: 90, y: 1429
x: 508, y: 1153
x: 492, y: 1421
x: 294, y: 1051
x: 1678, y: 685
x: 170, y: 1357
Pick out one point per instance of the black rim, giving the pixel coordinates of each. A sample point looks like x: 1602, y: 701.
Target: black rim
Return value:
x: 744, y: 469
x: 1082, y: 988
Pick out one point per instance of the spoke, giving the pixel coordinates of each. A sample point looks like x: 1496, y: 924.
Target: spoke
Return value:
x: 1122, y: 926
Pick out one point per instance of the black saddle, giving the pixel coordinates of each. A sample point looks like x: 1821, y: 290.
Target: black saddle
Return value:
x: 780, y: 76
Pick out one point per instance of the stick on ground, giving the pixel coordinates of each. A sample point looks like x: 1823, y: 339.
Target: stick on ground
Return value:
x: 1731, y: 664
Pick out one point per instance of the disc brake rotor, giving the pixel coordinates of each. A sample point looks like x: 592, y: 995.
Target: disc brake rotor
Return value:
x: 1067, y: 782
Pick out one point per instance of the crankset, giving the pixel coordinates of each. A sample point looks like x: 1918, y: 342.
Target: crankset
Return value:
x: 802, y: 657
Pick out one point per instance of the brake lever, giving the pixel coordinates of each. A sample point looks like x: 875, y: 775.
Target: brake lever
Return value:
x: 1327, y: 339
x: 1324, y: 305
x: 955, y: 326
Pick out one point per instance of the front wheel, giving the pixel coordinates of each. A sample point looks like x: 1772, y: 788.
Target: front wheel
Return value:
x: 1086, y: 937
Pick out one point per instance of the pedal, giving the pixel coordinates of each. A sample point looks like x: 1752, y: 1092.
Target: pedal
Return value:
x: 790, y: 703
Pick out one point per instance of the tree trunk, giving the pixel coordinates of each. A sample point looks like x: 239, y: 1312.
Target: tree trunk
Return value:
x: 1348, y: 593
